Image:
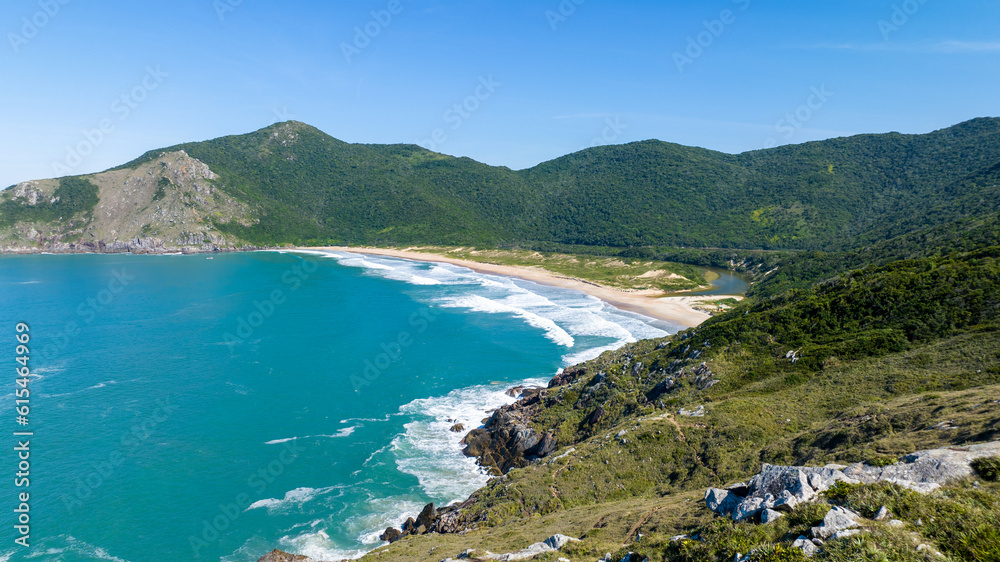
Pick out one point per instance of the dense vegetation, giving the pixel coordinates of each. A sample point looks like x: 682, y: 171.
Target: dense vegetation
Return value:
x: 75, y: 197
x: 829, y: 195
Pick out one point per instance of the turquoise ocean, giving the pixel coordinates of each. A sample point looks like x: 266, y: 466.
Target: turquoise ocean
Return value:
x: 193, y: 407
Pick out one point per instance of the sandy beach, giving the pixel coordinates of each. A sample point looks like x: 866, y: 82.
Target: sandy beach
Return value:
x: 675, y: 310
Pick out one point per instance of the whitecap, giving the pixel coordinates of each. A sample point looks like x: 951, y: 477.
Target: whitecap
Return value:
x: 292, y: 498
x: 342, y: 432
x: 430, y: 451
x: 479, y: 303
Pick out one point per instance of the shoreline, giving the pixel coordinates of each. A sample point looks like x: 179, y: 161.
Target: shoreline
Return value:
x: 677, y: 310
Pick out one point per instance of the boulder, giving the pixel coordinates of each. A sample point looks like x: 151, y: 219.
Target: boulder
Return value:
x: 544, y: 447
x: 836, y: 520
x: 721, y: 502
x: 595, y: 416
x: 698, y: 412
x: 390, y: 535
x: 457, y: 428
x: 806, y: 545
x: 747, y: 508
x: 551, y: 544
x: 769, y: 516
x: 427, y: 516
x: 779, y: 488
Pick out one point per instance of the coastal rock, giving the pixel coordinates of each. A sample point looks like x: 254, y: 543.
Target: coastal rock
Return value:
x: 507, y: 439
x: 428, y: 516
x: 457, y: 428
x: 567, y: 377
x: 390, y: 535
x: 281, y: 556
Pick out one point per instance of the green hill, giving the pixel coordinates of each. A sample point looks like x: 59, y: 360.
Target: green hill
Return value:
x: 827, y: 195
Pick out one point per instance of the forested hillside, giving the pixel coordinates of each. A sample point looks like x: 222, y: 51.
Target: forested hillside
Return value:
x: 830, y: 195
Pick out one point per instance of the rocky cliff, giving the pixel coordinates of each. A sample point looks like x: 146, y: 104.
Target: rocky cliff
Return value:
x: 171, y: 203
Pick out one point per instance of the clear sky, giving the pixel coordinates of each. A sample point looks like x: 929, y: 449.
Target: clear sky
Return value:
x: 507, y: 82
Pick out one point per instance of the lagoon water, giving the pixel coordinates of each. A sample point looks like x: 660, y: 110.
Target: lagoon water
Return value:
x: 187, y: 408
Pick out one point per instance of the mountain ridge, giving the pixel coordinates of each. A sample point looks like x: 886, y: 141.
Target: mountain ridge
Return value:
x: 301, y: 186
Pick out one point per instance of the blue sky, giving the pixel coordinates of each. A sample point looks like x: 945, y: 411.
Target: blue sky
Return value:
x: 507, y: 83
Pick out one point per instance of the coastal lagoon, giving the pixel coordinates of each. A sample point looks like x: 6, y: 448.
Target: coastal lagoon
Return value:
x: 217, y: 407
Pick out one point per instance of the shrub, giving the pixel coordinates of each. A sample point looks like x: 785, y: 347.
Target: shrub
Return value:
x: 988, y: 468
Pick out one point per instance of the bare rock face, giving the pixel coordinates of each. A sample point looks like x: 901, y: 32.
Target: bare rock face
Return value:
x: 925, y: 471
x: 168, y: 204
x: 781, y: 488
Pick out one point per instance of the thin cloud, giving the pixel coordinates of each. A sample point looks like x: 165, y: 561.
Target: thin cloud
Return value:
x: 941, y: 47
x: 968, y: 47
x: 584, y: 116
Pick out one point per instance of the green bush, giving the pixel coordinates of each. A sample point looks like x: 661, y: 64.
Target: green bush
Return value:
x: 988, y: 468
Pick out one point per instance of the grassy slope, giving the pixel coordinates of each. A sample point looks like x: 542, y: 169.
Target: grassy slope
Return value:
x: 643, y: 466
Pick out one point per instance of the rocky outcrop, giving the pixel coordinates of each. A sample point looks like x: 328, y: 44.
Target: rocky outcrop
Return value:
x: 551, y: 544
x: 925, y: 471
x: 507, y: 439
x: 443, y: 520
x: 567, y: 377
x: 781, y: 488
x: 776, y: 490
x: 281, y: 556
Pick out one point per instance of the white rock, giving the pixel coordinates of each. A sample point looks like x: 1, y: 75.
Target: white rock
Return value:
x: 769, y: 515
x: 807, y: 547
x: 845, y: 533
x: 837, y: 519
